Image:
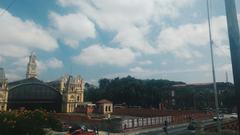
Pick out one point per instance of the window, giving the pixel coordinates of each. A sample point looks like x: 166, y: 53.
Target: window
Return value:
x: 106, y: 109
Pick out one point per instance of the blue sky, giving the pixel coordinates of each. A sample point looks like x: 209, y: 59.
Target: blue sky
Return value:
x: 148, y: 39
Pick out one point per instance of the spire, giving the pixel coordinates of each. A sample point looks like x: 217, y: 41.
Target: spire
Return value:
x: 2, y: 75
x: 32, y: 66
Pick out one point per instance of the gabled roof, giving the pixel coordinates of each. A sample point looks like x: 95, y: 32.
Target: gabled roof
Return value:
x: 104, y: 101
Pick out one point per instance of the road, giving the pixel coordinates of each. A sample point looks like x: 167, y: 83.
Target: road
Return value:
x: 177, y: 130
x: 180, y: 130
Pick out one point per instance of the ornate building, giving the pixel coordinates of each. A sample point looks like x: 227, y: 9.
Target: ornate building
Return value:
x: 32, y: 67
x: 73, y: 93
x: 62, y: 95
x: 3, y: 91
x: 72, y: 90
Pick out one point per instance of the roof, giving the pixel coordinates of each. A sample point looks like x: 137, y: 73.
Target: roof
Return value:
x: 104, y: 101
x: 33, y: 92
x: 24, y: 81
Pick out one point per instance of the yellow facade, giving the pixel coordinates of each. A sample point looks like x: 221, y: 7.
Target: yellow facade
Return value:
x: 3, y: 95
x: 73, y: 93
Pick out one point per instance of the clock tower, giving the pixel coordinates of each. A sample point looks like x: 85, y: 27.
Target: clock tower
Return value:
x: 32, y: 67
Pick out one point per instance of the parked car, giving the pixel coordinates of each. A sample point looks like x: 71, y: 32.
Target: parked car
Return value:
x: 221, y: 116
x: 193, y: 125
x: 65, y: 126
x: 81, y: 132
x: 234, y: 116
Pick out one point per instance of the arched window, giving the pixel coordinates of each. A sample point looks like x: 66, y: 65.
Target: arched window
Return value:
x: 106, y: 109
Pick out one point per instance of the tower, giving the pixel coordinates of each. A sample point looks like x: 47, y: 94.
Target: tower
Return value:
x: 72, y: 93
x: 32, y: 66
x: 3, y: 91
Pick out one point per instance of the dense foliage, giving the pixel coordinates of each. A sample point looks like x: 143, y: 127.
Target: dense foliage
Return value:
x: 133, y: 92
x: 149, y: 93
x: 27, y: 122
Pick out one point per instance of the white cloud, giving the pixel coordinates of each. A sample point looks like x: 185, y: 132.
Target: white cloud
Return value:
x: 137, y: 70
x: 145, y: 62
x: 164, y: 63
x: 185, y: 41
x: 145, y: 73
x: 1, y: 60
x: 97, y: 54
x: 51, y: 63
x: 131, y: 20
x: 20, y: 67
x: 225, y: 67
x: 72, y: 28
x: 12, y: 76
x: 18, y: 37
x: 54, y: 63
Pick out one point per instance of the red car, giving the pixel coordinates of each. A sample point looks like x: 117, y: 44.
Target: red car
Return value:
x: 81, y: 132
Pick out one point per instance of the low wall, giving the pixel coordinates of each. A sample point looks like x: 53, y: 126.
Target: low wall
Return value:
x: 148, y: 122
x: 123, y: 124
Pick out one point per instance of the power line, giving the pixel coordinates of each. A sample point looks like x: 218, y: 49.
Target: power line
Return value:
x: 225, y: 54
x: 2, y: 13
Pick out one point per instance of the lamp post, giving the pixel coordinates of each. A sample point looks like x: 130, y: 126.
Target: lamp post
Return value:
x: 213, y: 70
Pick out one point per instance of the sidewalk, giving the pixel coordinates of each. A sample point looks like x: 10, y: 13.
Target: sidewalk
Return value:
x: 135, y: 132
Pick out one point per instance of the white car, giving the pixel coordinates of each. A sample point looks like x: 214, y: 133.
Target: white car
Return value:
x: 221, y: 116
x: 234, y: 116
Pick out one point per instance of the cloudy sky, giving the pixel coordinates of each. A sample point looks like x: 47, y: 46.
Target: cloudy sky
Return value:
x: 160, y: 39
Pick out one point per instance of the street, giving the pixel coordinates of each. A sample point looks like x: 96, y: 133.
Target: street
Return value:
x: 176, y: 130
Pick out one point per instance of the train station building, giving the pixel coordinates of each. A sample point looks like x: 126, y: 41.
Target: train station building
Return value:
x: 61, y: 95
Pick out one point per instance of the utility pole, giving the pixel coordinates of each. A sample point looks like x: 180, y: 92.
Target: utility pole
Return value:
x: 226, y: 74
x: 213, y: 70
x: 234, y: 40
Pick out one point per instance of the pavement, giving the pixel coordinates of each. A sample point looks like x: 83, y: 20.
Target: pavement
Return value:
x: 179, y: 129
x: 150, y: 131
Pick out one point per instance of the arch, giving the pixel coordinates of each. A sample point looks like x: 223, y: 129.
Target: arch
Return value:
x: 34, y: 96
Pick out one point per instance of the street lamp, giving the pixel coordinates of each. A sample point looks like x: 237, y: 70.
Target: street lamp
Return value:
x: 213, y: 70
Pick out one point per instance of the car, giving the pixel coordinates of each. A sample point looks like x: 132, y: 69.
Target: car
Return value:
x: 65, y: 126
x: 81, y: 132
x: 192, y: 125
x: 221, y: 116
x: 234, y: 116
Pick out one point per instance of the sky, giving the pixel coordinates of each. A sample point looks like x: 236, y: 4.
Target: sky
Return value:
x: 147, y: 39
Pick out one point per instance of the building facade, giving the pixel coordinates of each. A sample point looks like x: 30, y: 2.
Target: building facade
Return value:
x: 104, y: 106
x: 72, y: 90
x: 3, y: 91
x: 62, y: 95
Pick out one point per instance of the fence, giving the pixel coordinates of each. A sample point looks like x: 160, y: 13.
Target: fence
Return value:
x: 146, y: 122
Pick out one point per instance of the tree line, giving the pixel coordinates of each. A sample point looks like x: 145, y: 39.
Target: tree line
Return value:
x: 151, y: 92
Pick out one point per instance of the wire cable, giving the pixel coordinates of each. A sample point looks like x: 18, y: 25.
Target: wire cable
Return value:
x: 11, y: 4
x: 219, y: 47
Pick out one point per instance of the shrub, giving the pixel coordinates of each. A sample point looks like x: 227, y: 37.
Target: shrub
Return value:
x: 27, y: 122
